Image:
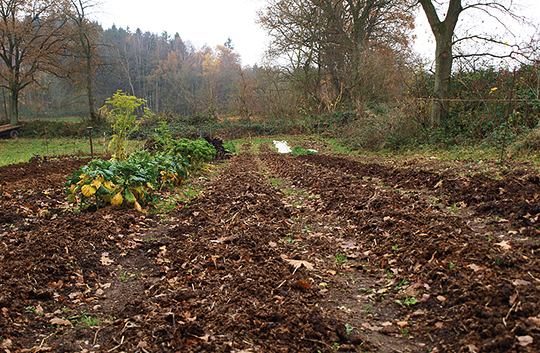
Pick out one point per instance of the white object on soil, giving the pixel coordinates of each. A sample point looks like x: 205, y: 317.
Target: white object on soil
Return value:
x: 282, y: 147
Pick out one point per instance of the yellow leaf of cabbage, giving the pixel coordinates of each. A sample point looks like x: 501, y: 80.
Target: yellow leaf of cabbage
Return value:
x: 138, y: 207
x: 117, y: 200
x: 96, y: 183
x: 72, y: 188
x: 109, y: 185
x: 88, y: 190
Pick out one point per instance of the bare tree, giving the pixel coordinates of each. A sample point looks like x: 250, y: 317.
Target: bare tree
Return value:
x: 31, y: 38
x: 446, y: 40
x: 84, y: 50
x: 325, y: 41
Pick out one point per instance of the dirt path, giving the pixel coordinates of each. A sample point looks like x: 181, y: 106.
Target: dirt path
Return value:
x: 279, y: 254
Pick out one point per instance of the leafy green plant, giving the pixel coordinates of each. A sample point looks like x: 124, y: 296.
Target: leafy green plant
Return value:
x: 121, y: 110
x: 131, y: 182
x: 198, y: 152
x: 288, y: 240
x: 409, y: 301
x: 341, y: 259
x: 163, y: 136
x: 88, y: 321
x: 404, y: 331
x: 298, y: 150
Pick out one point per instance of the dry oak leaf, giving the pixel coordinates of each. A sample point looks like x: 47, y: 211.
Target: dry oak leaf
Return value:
x: 57, y: 321
x: 525, y: 340
x: 298, y: 263
x: 505, y: 245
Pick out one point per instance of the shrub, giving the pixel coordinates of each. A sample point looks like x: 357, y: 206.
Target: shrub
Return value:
x: 121, y: 110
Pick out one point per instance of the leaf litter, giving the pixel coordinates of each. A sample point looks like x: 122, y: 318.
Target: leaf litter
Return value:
x: 173, y: 287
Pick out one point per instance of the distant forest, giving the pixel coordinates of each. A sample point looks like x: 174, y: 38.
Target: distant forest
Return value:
x: 172, y: 75
x: 330, y: 61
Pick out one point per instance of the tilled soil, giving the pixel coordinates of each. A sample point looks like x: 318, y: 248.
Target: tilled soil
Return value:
x: 278, y: 254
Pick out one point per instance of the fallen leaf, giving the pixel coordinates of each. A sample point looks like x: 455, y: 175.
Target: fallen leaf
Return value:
x: 5, y: 312
x: 525, y: 340
x: 57, y: 321
x: 439, y: 324
x: 472, y: 348
x: 367, y: 326
x: 349, y: 245
x: 6, y: 343
x: 272, y: 244
x: 505, y: 245
x: 474, y: 267
x: 105, y: 260
x: 383, y: 290
x: 188, y: 317
x: 513, y: 298
x: 39, y: 309
x: 535, y: 320
x: 299, y: 263
x: 520, y: 282
x: 142, y: 344
x: 419, y: 313
x: 204, y: 338
x: 74, y: 295
x: 402, y: 323
x: 439, y: 184
x: 441, y: 298
x: 412, y: 290
x: 332, y: 272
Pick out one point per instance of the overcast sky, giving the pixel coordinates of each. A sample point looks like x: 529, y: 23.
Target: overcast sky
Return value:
x: 202, y: 22
x: 211, y: 22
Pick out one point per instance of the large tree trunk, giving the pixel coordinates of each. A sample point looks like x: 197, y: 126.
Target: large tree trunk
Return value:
x: 443, y: 32
x: 14, y: 106
x: 90, y: 92
x: 443, y: 72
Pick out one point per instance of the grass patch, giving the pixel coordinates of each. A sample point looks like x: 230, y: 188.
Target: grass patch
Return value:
x: 13, y: 151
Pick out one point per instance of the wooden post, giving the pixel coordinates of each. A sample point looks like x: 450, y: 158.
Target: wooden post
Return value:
x: 91, y: 145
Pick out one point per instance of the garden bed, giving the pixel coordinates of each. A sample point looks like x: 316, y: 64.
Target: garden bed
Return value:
x: 278, y: 254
